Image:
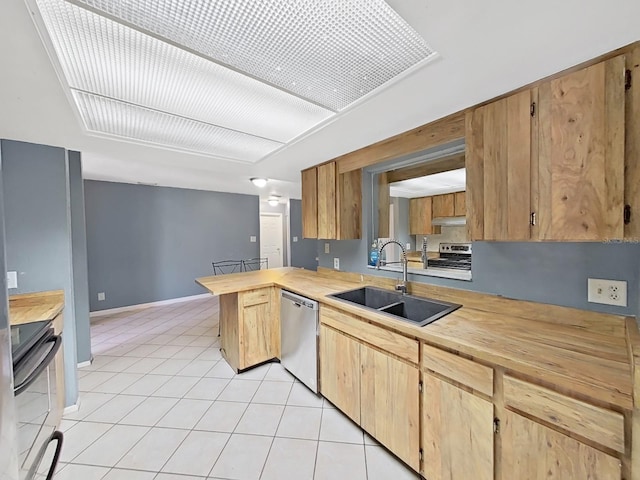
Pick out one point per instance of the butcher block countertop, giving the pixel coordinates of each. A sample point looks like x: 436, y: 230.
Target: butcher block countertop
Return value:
x: 581, y: 351
x: 33, y: 307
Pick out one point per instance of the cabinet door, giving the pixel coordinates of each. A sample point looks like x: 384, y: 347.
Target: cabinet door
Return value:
x: 310, y: 203
x: 498, y: 162
x: 340, y: 371
x: 457, y: 433
x: 531, y: 451
x: 632, y: 145
x: 257, y: 334
x: 420, y: 216
x: 390, y: 411
x: 460, y: 206
x: 349, y: 205
x: 327, y: 201
x: 581, y: 154
x: 443, y: 205
x: 230, y: 330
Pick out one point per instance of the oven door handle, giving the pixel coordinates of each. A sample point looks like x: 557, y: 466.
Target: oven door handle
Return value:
x: 57, y: 339
x: 58, y: 437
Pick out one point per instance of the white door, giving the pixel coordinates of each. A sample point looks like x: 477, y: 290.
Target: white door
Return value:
x: 271, y: 238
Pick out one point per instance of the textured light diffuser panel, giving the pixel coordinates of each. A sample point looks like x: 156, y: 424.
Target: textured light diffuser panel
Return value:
x: 101, y: 56
x: 331, y: 52
x: 112, y: 117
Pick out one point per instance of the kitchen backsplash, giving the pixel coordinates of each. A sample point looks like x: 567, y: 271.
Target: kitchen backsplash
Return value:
x: 452, y: 234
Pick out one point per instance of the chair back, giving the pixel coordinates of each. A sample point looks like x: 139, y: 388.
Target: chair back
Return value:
x: 255, y: 264
x: 226, y: 266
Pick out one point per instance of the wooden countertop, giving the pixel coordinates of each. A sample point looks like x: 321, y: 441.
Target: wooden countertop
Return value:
x: 582, y: 351
x: 33, y: 307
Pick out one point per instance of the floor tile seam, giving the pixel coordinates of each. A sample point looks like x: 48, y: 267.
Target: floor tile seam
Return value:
x: 94, y: 441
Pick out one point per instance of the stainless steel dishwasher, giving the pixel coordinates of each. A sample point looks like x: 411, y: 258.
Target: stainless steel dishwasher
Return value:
x: 299, y: 335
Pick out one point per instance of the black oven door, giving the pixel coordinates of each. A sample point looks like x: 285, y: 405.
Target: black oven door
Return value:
x: 34, y: 388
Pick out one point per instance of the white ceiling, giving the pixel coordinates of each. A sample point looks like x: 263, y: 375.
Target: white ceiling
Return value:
x: 486, y: 49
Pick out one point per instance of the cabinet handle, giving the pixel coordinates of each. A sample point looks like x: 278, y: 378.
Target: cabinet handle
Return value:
x: 496, y: 425
x: 533, y: 218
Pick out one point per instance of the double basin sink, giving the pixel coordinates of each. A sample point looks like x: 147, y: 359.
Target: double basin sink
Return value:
x: 417, y: 310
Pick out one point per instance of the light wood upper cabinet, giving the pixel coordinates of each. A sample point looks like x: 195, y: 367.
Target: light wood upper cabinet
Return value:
x: 390, y: 411
x: 531, y: 451
x: 332, y: 203
x: 327, y: 200
x: 420, y: 212
x: 457, y: 433
x: 581, y: 141
x: 443, y: 205
x: 548, y: 163
x: 340, y: 371
x: 498, y: 163
x: 310, y: 203
x: 632, y: 146
x: 250, y: 327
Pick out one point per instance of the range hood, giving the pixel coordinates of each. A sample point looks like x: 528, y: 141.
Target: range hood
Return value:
x: 449, y: 221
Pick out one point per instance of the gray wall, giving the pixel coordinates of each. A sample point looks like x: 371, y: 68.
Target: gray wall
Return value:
x: 38, y: 232
x: 304, y: 251
x: 554, y: 273
x: 79, y: 257
x: 147, y: 244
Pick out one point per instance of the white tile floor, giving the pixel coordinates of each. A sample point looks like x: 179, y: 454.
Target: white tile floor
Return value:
x: 159, y: 403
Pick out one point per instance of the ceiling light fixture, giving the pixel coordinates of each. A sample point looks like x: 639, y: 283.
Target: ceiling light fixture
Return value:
x: 259, y: 182
x: 274, y: 200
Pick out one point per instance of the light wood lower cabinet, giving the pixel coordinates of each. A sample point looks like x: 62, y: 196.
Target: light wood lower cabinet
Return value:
x: 340, y: 371
x: 457, y: 433
x: 250, y: 327
x: 389, y: 398
x: 376, y: 390
x: 531, y: 451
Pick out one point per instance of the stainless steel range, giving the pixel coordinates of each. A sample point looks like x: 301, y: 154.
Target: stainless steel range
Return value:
x: 455, y: 256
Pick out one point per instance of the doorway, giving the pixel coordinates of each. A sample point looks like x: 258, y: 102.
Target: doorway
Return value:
x: 271, y: 239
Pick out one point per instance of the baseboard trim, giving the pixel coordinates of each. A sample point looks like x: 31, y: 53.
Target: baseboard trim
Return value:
x: 72, y: 408
x: 84, y: 364
x: 101, y: 313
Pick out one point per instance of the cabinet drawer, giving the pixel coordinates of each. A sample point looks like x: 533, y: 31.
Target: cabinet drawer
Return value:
x: 390, y: 342
x: 255, y: 297
x: 598, y: 424
x: 459, y: 369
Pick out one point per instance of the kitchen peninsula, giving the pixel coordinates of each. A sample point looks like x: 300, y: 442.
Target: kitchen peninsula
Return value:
x: 499, y: 386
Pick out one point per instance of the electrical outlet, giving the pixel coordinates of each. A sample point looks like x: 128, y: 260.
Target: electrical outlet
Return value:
x: 326, y: 248
x: 252, y: 239
x: 408, y: 246
x: 336, y: 263
x: 295, y: 239
x: 101, y: 296
x: 607, y: 292
x: 12, y: 279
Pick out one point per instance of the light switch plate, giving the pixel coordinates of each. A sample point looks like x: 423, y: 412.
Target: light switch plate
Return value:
x: 252, y: 239
x: 336, y: 263
x: 12, y: 279
x: 101, y: 296
x: 295, y: 239
x: 607, y: 292
x: 326, y: 248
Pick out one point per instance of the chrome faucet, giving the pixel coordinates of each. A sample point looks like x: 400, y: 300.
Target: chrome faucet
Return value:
x: 401, y: 287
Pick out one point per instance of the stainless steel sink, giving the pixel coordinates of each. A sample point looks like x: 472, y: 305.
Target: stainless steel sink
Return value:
x: 417, y: 310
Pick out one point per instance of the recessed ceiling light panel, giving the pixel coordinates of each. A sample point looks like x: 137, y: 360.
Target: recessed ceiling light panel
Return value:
x: 104, y: 57
x: 133, y: 122
x: 331, y: 52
